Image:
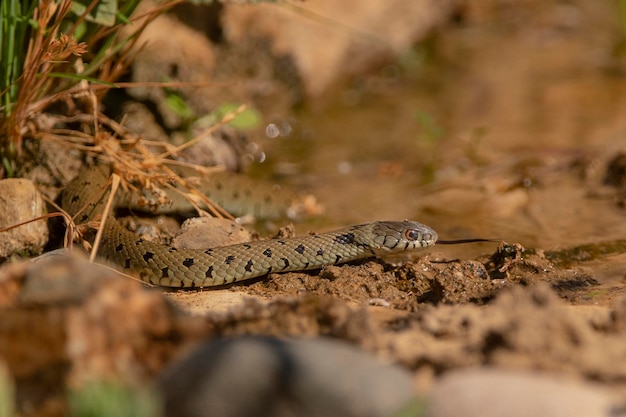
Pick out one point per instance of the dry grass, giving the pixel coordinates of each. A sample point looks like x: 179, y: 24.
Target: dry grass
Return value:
x: 62, y: 84
x: 62, y: 72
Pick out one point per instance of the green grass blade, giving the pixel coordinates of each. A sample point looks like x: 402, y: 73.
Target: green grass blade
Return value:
x: 80, y: 77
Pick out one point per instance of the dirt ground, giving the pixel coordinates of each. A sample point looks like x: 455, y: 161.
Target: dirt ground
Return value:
x: 507, y: 122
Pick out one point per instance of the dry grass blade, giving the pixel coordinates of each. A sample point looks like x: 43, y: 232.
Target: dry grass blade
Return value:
x: 141, y: 164
x: 228, y: 117
x: 61, y: 213
x: 115, y: 183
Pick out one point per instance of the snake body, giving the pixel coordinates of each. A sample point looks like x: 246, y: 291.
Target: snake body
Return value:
x: 188, y: 268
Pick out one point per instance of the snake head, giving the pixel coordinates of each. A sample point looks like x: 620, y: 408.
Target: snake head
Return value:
x: 394, y: 236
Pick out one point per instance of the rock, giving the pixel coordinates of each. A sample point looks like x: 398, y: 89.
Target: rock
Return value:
x: 252, y: 376
x: 372, y: 32
x: 66, y: 322
x: 224, y: 147
x: 208, y: 232
x: 495, y: 393
x: 274, y: 56
x: 19, y: 202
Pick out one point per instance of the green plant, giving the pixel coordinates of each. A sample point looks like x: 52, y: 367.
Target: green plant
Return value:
x: 15, y: 24
x: 7, y: 393
x: 105, y: 399
x: 621, y: 5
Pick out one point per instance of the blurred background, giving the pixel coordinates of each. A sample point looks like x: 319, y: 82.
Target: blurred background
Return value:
x: 503, y: 119
x: 483, y: 119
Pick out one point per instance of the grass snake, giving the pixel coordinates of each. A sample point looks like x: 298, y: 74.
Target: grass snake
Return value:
x: 188, y: 268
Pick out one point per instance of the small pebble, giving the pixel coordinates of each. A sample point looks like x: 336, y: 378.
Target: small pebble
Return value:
x: 208, y: 232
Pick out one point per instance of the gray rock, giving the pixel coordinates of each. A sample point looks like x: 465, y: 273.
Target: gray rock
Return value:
x: 262, y: 376
x: 496, y: 393
x: 20, y: 201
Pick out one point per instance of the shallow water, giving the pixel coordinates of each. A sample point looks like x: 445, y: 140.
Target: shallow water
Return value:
x: 390, y: 148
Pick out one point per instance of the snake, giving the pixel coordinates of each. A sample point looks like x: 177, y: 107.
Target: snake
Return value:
x: 168, y: 266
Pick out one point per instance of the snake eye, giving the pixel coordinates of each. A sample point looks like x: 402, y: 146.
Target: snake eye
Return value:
x: 413, y: 234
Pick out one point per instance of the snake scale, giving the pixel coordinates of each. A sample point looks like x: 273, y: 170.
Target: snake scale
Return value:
x: 188, y: 268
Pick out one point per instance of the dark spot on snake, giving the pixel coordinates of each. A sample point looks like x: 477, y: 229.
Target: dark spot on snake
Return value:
x: 147, y: 256
x: 209, y: 251
x: 219, y: 185
x: 337, y: 259
x: 282, y: 242
x: 165, y: 272
x: 306, y: 266
x: 83, y: 218
x: 171, y: 249
x: 229, y: 259
x: 209, y: 272
x: 345, y: 239
x: 188, y: 262
x: 249, y: 265
x: 268, y: 198
x: 246, y: 245
x: 267, y: 252
x: 119, y: 247
x: 320, y: 252
x: 269, y: 270
x: 286, y: 261
x: 74, y: 198
x: 193, y: 284
x: 300, y: 249
x: 127, y: 263
x: 235, y: 194
x: 139, y: 242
